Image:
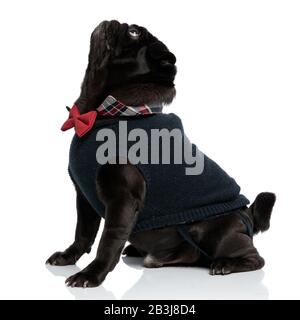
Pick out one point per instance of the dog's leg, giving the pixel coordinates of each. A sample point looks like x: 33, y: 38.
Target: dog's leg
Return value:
x: 236, y: 255
x: 122, y: 190
x: 86, y: 230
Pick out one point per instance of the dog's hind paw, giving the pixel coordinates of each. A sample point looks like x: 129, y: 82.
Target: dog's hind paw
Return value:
x: 222, y: 266
x: 152, y: 262
x: 131, y: 251
x: 225, y: 266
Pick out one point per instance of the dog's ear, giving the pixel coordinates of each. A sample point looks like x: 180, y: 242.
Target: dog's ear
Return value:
x: 98, y: 59
x: 99, y: 50
x: 94, y: 81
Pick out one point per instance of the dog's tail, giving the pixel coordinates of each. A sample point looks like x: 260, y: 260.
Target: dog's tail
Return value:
x: 260, y: 211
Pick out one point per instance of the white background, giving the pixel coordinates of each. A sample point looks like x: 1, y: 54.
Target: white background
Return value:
x: 238, y: 96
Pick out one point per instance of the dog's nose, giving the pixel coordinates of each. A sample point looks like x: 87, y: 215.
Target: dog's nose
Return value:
x: 159, y: 51
x: 168, y: 59
x: 166, y: 63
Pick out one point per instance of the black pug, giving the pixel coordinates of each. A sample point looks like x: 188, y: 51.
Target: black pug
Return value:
x: 131, y: 65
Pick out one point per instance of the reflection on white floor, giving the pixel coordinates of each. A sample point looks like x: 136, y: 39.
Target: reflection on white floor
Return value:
x: 175, y: 283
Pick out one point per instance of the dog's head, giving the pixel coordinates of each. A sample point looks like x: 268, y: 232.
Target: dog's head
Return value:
x: 125, y: 59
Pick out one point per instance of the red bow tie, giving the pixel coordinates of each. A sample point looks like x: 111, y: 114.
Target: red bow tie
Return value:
x: 82, y: 122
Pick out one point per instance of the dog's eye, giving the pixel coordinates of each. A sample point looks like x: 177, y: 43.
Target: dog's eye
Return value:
x: 134, y: 33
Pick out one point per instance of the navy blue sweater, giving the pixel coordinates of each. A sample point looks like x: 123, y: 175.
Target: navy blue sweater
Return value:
x: 172, y: 197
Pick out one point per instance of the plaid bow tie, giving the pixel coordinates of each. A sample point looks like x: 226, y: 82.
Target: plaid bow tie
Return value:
x: 111, y: 107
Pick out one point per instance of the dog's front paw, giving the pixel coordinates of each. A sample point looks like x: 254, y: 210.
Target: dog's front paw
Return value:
x: 62, y: 259
x: 83, y: 280
x: 92, y: 276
